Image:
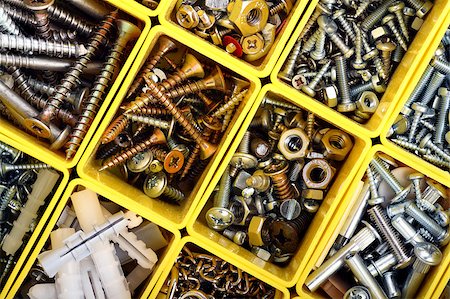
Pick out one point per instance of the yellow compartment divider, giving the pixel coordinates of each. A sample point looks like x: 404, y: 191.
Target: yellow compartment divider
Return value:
x: 37, y: 153
x: 328, y: 237
x: 261, y: 67
x: 289, y: 275
x: 28, y: 140
x: 442, y: 174
x: 168, y: 252
x: 280, y: 293
x: 405, y: 73
x: 154, y: 208
x: 440, y: 287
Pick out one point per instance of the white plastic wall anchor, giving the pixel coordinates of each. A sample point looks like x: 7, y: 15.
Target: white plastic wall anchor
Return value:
x: 89, y: 214
x: 92, y: 286
x: 68, y: 280
x: 67, y: 218
x: 46, y: 180
x: 137, y: 276
x: 43, y: 291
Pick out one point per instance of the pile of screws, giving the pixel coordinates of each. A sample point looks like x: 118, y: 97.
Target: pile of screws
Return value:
x: 201, y: 275
x: 409, y: 225
x: 244, y: 28
x: 360, y: 35
x: 193, y: 115
x: 277, y: 179
x: 59, y: 66
x: 423, y: 124
x: 18, y: 173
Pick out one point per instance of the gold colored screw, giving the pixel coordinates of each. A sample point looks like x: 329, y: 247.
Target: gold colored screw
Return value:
x: 114, y: 129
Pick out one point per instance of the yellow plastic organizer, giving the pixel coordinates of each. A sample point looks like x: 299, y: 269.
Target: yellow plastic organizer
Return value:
x: 327, y: 239
x: 192, y: 242
x: 175, y: 215
x: 440, y: 173
x: 261, y: 67
x: 165, y: 253
x: 39, y: 154
x: 280, y: 276
x: 146, y: 10
x: 58, y: 158
x: 440, y: 288
x: 405, y: 72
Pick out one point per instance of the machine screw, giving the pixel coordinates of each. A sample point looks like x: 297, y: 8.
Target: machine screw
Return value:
x: 346, y: 104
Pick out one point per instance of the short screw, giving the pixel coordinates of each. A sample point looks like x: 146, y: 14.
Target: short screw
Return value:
x: 386, y: 50
x: 156, y: 185
x: 237, y: 237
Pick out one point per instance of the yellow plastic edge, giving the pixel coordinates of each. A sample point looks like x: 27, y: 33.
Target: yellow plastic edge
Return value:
x: 86, y: 166
x: 442, y: 174
x: 433, y: 277
x: 145, y: 10
x: 405, y: 72
x: 251, y: 263
x: 265, y: 67
x: 280, y: 292
x: 37, y: 153
x: 56, y: 214
x: 29, y: 140
x: 442, y: 284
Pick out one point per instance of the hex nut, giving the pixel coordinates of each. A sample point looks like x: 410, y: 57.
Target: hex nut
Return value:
x: 379, y: 32
x: 317, y: 174
x: 248, y: 16
x: 337, y: 144
x: 417, y: 23
x: 293, y: 143
x: 330, y: 96
x: 367, y: 102
x: 242, y: 220
x: 254, y: 231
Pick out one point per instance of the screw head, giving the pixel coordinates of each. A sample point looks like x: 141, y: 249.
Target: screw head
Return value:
x: 386, y: 47
x: 398, y: 5
x: 219, y: 219
x: 416, y: 176
x: 155, y: 184
x: 174, y: 161
x: 387, y: 19
x: 245, y: 161
x: 38, y: 4
x: 140, y: 162
x: 428, y: 253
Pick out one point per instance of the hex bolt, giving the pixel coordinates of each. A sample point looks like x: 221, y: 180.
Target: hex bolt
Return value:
x: 400, y: 192
x: 444, y: 105
x: 376, y: 15
x: 411, y: 235
x: 427, y: 255
x: 382, y: 223
x: 442, y: 235
x: 359, y: 270
x: 346, y: 104
x: 357, y: 243
x: 382, y: 265
x: 427, y: 143
x: 397, y: 10
x: 416, y: 179
x: 309, y: 89
x: 288, y: 68
x: 391, y: 286
x: 330, y: 28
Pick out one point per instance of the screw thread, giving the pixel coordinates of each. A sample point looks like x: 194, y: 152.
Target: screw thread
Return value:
x: 319, y: 75
x: 339, y: 42
x: 223, y: 195
x: 347, y: 27
x: 288, y: 69
x: 174, y: 79
x: 64, y: 35
x: 195, y: 153
x: 278, y: 103
x: 42, y: 24
x: 174, y: 194
x: 384, y: 227
x: 18, y: 15
x: 311, y: 42
x: 9, y: 149
x: 441, y: 65
x: 282, y: 187
x: 442, y: 119
x: 410, y: 146
x: 244, y: 145
x: 402, y: 23
x: 114, y: 129
x: 362, y: 8
x: 423, y: 219
x: 189, y: 88
x: 438, y: 150
x: 358, y: 45
x: 159, y: 123
x: 230, y: 104
x: 416, y: 4
x: 386, y: 175
x: 372, y: 184
x: 436, y: 161
x: 7, y: 24
x: 312, y: 20
x: 310, y: 122
x: 397, y: 35
x: 414, y: 125
x: 341, y: 74
x: 6, y: 197
x: 319, y: 51
x: 429, y: 126
x: 435, y: 82
x: 302, y: 222
x: 376, y: 16
x: 295, y: 170
x: 386, y: 62
x: 226, y: 120
x: 420, y: 85
x: 107, y: 150
x: 354, y: 91
x: 426, y: 235
x: 152, y: 111
x: 59, y: 15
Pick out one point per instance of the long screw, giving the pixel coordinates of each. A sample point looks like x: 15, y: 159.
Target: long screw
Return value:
x: 70, y: 20
x: 426, y: 142
x: 346, y: 104
x: 444, y: 105
x: 7, y: 24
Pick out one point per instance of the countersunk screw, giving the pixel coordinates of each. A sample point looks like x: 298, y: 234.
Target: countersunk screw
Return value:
x: 173, y: 160
x: 397, y: 10
x: 156, y: 185
x: 346, y: 104
x: 382, y: 223
x: 5, y: 167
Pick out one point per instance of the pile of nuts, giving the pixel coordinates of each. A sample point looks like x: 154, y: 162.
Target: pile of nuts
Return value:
x: 423, y: 124
x: 277, y: 179
x: 58, y: 66
x: 168, y: 133
x: 19, y: 204
x: 347, y: 52
x: 202, y: 275
x: 244, y: 28
x: 391, y: 237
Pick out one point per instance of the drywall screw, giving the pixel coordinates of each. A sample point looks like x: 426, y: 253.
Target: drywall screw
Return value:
x: 220, y: 217
x: 427, y: 255
x: 5, y: 167
x: 59, y: 15
x: 411, y: 146
x: 191, y: 68
x: 415, y: 179
x: 390, y: 285
x: 71, y: 78
x: 207, y: 149
x: 346, y: 104
x: 230, y: 104
x: 156, y: 185
x: 330, y: 28
x: 165, y: 45
x: 7, y: 24
x: 339, y: 15
x: 427, y: 222
x: 237, y: 237
x: 309, y: 89
x: 382, y: 223
x: 389, y: 21
x: 115, y: 127
x: 400, y: 192
x: 426, y: 143
x: 126, y: 32
x: 397, y: 9
x: 370, y: 21
x: 159, y: 123
x: 118, y: 159
x: 444, y: 105
x: 420, y: 86
x: 411, y: 235
x: 359, y: 270
x: 269, y: 101
x: 386, y: 50
x: 288, y: 68
x: 41, y: 46
x: 419, y: 109
x: 358, y: 63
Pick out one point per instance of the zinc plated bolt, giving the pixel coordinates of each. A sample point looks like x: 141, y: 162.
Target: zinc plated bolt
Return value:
x: 374, y: 84
x: 427, y: 255
x: 433, y: 192
x: 309, y: 89
x: 444, y: 105
x: 430, y: 91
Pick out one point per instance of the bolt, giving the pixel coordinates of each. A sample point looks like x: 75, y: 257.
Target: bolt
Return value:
x: 156, y: 185
x: 427, y: 255
x: 346, y: 104
x: 435, y: 82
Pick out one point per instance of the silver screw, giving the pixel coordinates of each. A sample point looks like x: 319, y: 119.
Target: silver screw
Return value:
x: 288, y: 69
x: 441, y: 65
x: 419, y: 109
x: 375, y: 197
x: 420, y: 86
x: 389, y: 21
x: 397, y: 10
x: 346, y: 104
x: 339, y: 15
x: 435, y: 82
x: 309, y: 89
x: 411, y: 146
x: 381, y: 265
x: 421, y: 7
x: 444, y: 105
x: 438, y: 161
x: 416, y: 179
x: 426, y: 142
x: 330, y: 27
x: 7, y: 24
x: 319, y: 51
